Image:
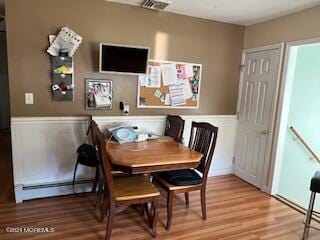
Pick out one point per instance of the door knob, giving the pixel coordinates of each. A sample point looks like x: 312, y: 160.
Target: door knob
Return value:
x: 264, y: 132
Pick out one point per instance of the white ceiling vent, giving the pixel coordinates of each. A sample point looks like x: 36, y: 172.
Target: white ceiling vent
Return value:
x: 155, y: 4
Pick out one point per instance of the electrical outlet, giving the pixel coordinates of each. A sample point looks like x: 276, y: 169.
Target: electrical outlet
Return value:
x: 28, y: 98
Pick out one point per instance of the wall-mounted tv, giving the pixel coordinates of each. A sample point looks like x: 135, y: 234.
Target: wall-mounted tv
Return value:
x: 123, y: 59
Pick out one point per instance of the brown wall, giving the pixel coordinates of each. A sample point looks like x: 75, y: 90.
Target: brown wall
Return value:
x: 216, y: 45
x: 293, y: 27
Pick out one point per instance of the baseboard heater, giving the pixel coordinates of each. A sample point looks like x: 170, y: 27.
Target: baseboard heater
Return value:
x: 50, y: 185
x: 28, y: 192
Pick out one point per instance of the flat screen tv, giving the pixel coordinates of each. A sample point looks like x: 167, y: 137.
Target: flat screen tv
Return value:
x: 123, y: 59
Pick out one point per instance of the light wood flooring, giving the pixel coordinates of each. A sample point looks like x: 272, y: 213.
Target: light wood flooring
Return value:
x: 236, y: 211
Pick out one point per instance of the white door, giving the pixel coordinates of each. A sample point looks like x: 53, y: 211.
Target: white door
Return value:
x: 257, y: 99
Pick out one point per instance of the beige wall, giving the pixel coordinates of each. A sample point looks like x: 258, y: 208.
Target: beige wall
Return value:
x: 216, y: 45
x: 293, y: 27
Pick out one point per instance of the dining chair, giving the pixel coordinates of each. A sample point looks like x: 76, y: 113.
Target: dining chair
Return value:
x: 203, y: 139
x: 174, y: 127
x: 100, y: 182
x: 125, y: 191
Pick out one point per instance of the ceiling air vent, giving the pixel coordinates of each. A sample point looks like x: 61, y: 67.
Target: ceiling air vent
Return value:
x: 155, y: 4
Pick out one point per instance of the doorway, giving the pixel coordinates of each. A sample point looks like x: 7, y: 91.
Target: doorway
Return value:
x: 298, y: 114
x: 256, y: 114
x: 6, y: 181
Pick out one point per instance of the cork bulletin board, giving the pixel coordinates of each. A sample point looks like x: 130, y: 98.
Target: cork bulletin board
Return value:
x: 169, y: 84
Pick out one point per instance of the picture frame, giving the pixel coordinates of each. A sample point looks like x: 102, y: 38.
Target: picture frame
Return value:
x: 99, y: 94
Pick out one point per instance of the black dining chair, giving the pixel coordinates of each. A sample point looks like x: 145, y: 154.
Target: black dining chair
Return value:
x: 203, y: 139
x: 174, y: 127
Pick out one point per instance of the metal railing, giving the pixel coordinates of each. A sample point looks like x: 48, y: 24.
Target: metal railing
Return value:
x: 303, y: 142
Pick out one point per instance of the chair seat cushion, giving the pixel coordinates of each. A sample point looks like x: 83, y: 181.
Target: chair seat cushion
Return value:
x: 315, y: 183
x: 185, y: 177
x: 134, y: 187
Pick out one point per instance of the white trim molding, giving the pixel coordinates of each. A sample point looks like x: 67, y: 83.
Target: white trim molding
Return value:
x: 44, y: 149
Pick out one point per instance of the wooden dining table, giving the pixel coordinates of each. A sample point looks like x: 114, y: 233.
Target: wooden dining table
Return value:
x: 158, y: 155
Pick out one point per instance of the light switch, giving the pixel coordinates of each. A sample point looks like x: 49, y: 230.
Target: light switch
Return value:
x: 28, y: 98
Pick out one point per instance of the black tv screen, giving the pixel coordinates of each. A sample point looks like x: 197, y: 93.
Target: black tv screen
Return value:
x: 123, y: 59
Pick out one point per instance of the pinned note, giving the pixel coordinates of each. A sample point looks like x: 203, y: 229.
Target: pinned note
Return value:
x: 167, y: 100
x: 181, y: 71
x: 169, y: 74
x: 177, y: 94
x: 142, y: 78
x: 187, y: 89
x: 157, y: 93
x: 188, y: 71
x: 154, y: 77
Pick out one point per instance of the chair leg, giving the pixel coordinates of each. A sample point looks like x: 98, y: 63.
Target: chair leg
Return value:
x: 155, y: 217
x: 74, y: 175
x: 110, y: 223
x: 103, y: 209
x: 148, y: 213
x: 96, y: 179
x: 169, y: 209
x: 308, y: 217
x: 142, y: 209
x: 186, y: 196
x: 203, y: 204
x: 99, y: 194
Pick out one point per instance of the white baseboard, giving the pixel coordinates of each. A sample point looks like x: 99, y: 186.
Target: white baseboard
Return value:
x: 221, y: 171
x: 44, y: 148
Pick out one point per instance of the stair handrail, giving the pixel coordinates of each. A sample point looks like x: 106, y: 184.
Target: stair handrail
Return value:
x: 304, y: 143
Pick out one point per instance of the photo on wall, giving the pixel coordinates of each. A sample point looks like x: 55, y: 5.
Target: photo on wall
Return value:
x: 98, y: 94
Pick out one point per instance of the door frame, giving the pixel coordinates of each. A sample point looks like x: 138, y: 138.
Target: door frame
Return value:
x: 269, y: 163
x: 283, y: 110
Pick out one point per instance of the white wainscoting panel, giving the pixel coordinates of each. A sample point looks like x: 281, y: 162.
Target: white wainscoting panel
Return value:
x: 44, y: 149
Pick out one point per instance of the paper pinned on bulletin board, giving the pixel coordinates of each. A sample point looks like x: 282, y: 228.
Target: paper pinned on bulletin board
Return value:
x: 169, y: 74
x: 177, y: 94
x: 154, y: 77
x: 187, y: 88
x: 181, y: 71
x: 188, y: 71
x: 167, y: 100
x: 157, y: 93
x: 142, y: 79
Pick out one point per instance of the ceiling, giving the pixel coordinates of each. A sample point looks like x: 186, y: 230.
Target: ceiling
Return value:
x: 245, y: 12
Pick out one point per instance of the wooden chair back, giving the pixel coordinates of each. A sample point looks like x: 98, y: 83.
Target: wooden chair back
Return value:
x: 105, y: 166
x: 174, y: 127
x: 93, y: 127
x: 203, y: 139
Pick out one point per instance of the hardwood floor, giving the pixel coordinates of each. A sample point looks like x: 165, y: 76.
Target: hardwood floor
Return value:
x: 236, y: 211
x: 6, y: 180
